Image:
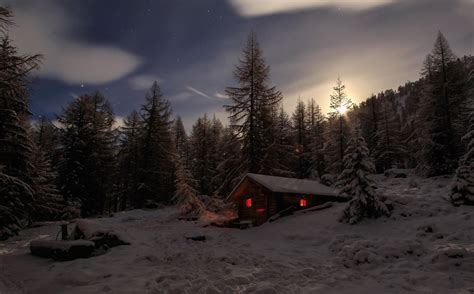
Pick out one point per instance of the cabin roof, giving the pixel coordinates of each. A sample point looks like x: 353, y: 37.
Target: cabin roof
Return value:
x: 291, y: 185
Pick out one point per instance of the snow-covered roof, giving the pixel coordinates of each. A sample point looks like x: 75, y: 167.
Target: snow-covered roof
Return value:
x: 290, y: 185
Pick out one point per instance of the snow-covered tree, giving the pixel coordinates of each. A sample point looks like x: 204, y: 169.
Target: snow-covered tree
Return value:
x: 462, y: 190
x: 253, y: 103
x: 16, y: 170
x: 185, y: 196
x: 354, y: 183
x: 16, y: 199
x: 48, y: 204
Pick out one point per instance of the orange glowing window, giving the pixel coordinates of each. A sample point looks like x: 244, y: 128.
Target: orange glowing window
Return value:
x: 303, y: 203
x: 248, y: 202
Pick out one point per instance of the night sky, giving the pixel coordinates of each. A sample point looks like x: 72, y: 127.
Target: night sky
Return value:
x: 191, y: 46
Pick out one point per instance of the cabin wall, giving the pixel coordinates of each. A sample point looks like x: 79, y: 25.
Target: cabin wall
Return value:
x: 263, y: 205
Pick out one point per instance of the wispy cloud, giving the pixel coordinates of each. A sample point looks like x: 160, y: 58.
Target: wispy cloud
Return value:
x: 46, y: 27
x: 143, y: 82
x: 252, y: 8
x: 198, y: 92
x: 221, y: 96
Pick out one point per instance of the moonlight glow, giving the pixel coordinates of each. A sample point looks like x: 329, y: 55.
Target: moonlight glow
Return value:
x: 343, y: 109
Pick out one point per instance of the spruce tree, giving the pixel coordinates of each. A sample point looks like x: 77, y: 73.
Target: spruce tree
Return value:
x: 253, y: 102
x: 355, y: 184
x: 462, y: 189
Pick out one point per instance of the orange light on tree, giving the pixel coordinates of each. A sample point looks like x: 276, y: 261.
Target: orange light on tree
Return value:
x: 248, y: 202
x: 303, y: 203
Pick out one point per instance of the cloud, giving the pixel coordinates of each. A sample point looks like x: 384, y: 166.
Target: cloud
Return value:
x: 143, y: 82
x: 221, y: 96
x: 253, y: 8
x: 46, y: 27
x: 198, y: 92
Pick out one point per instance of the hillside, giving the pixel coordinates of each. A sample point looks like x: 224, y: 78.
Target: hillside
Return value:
x: 424, y: 247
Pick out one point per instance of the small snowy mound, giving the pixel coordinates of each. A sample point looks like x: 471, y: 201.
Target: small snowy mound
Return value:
x: 353, y: 251
x: 102, y: 236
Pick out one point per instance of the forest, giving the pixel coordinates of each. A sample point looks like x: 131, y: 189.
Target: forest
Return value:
x: 82, y: 164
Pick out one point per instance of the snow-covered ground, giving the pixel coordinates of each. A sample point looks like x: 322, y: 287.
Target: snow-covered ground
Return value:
x: 426, y: 246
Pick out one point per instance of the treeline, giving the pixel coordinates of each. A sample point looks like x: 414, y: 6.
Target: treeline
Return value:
x: 85, y: 166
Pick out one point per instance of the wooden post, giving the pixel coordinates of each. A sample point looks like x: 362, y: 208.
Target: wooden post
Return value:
x: 64, y: 234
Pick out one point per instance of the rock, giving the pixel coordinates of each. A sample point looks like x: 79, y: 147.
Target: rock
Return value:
x: 396, y: 173
x: 62, y: 250
x: 197, y: 238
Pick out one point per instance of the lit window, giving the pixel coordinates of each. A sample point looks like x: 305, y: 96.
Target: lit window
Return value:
x: 303, y: 202
x: 248, y: 202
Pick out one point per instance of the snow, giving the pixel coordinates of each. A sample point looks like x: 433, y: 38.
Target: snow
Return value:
x: 426, y: 246
x: 291, y: 185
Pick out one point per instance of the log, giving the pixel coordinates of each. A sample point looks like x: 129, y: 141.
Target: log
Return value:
x: 62, y: 250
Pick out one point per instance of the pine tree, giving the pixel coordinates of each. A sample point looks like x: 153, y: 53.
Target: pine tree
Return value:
x: 317, y: 126
x: 388, y: 150
x: 338, y: 129
x: 253, y: 103
x: 356, y: 184
x: 16, y: 200
x: 284, y: 157
x: 202, y: 166
x: 186, y: 196
x: 16, y: 170
x: 444, y: 108
x: 228, y: 170
x: 49, y: 203
x: 157, y: 169
x: 462, y: 189
x: 300, y: 129
x: 181, y: 139
x: 88, y: 152
x: 48, y: 138
x: 129, y: 160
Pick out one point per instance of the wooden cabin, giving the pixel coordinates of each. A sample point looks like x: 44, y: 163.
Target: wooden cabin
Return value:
x: 259, y: 197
